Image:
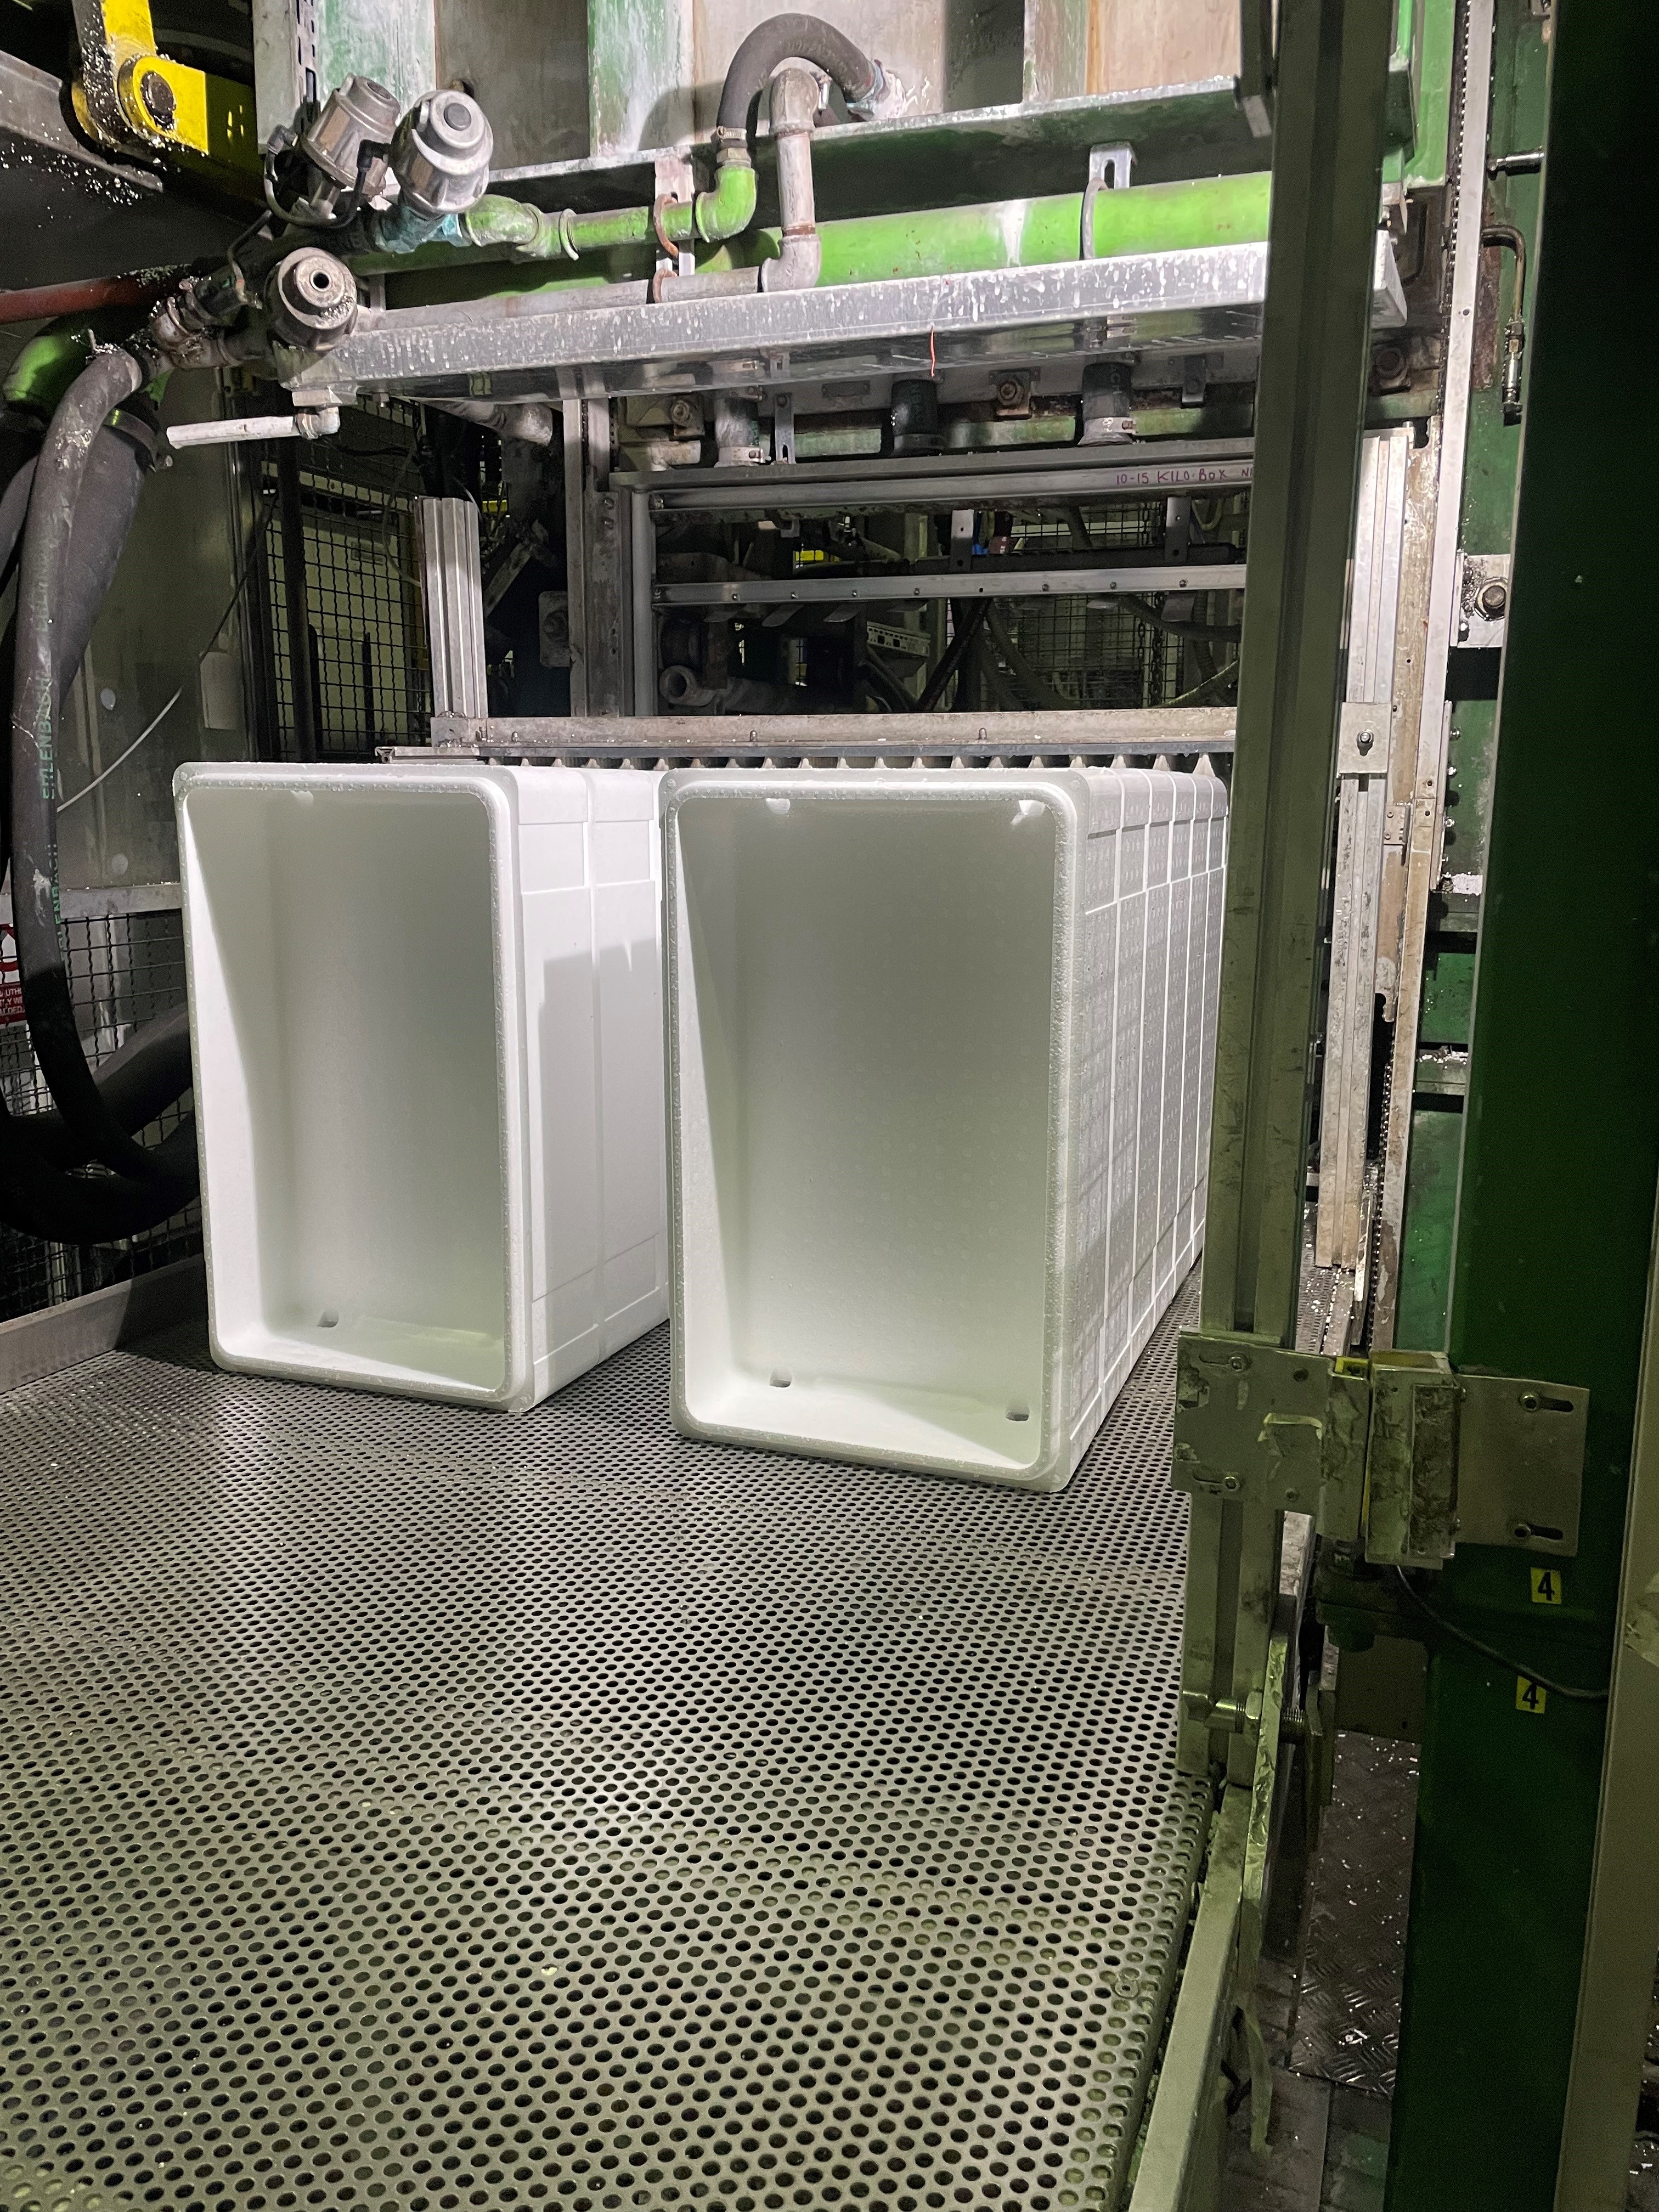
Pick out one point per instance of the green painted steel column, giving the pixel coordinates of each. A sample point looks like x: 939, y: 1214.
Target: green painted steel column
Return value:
x: 1561, y: 1152
x: 1316, y: 351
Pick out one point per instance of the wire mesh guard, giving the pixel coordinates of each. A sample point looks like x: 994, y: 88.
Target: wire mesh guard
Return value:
x: 413, y: 1806
x: 124, y: 970
x: 1093, y: 654
x: 365, y: 644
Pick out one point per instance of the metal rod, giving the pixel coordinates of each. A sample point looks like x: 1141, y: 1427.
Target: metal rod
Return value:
x: 949, y: 480
x: 292, y: 522
x: 1090, y: 733
x: 309, y: 422
x: 43, y: 303
x: 990, y: 583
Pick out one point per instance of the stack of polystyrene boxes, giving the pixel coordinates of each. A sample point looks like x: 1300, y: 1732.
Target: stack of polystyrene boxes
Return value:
x: 939, y: 1053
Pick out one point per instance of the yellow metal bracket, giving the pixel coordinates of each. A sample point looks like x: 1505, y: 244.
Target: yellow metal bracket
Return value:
x: 129, y: 96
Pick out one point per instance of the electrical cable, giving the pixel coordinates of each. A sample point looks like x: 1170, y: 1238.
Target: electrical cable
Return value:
x: 148, y: 730
x: 1193, y: 697
x: 255, y: 538
x: 1499, y: 1658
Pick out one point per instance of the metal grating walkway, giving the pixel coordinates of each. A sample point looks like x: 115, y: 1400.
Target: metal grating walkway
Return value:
x: 414, y: 1807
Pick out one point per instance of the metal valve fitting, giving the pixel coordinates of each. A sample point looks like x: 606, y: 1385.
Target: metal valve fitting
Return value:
x: 442, y: 153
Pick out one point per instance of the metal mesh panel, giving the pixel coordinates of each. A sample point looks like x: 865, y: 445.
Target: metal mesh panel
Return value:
x: 1095, y: 656
x: 414, y: 1805
x: 367, y: 647
x: 123, y: 970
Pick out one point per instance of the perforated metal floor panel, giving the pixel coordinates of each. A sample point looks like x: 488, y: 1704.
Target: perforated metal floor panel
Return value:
x: 421, y: 1808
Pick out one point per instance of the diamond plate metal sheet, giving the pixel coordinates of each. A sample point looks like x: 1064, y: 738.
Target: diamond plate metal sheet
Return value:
x: 414, y: 1807
x: 1348, y: 2020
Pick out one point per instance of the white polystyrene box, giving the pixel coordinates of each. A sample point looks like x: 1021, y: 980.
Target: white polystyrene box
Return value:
x: 939, y: 1078
x: 426, y: 1017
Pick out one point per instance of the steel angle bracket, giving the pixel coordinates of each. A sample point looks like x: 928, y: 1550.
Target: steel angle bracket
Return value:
x: 1398, y: 1453
x: 1282, y: 1429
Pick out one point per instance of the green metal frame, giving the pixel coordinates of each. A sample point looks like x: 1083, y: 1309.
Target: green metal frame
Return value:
x: 1331, y: 85
x: 1316, y: 353
x: 1560, y: 1160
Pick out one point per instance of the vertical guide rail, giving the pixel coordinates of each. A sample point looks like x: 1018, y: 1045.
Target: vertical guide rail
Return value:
x: 575, y: 414
x: 1362, y: 811
x: 451, y: 585
x: 1328, y: 167
x: 1429, y: 788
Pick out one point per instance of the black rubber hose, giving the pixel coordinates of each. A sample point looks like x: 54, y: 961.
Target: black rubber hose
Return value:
x: 152, y: 1068
x: 21, y: 432
x: 53, y: 580
x: 139, y: 1080
x: 780, y: 39
x: 14, y: 512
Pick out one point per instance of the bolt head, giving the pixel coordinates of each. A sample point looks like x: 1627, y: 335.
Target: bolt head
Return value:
x: 161, y: 102
x: 1493, y: 600
x: 1365, y: 740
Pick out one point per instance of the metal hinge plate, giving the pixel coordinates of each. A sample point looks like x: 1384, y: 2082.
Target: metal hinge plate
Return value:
x: 1398, y: 1453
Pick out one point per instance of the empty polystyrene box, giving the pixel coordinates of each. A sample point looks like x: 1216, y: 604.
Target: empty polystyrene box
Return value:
x: 939, y: 1068
x: 426, y: 1015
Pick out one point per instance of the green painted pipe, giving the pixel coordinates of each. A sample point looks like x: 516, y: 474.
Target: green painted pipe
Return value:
x: 926, y: 242
x: 43, y: 371
x: 531, y: 234
x: 1022, y: 234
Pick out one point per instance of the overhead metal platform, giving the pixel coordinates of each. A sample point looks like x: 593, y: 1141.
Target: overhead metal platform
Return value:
x: 410, y: 1806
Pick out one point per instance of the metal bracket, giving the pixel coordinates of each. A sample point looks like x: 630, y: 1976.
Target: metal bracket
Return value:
x: 1281, y: 1429
x: 1364, y: 739
x: 1110, y: 168
x: 1397, y: 1453
x: 1481, y: 596
x: 783, y: 427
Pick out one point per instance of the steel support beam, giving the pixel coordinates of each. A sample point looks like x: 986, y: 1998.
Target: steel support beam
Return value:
x: 1327, y: 160
x: 1089, y: 733
x: 1011, y: 580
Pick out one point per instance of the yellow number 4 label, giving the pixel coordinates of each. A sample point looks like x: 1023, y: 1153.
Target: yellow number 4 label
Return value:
x: 1546, y: 1586
x: 1530, y: 1697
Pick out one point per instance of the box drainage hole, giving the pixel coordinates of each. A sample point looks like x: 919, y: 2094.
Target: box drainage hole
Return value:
x: 1019, y: 1412
x: 328, y: 1318
x: 782, y: 1378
